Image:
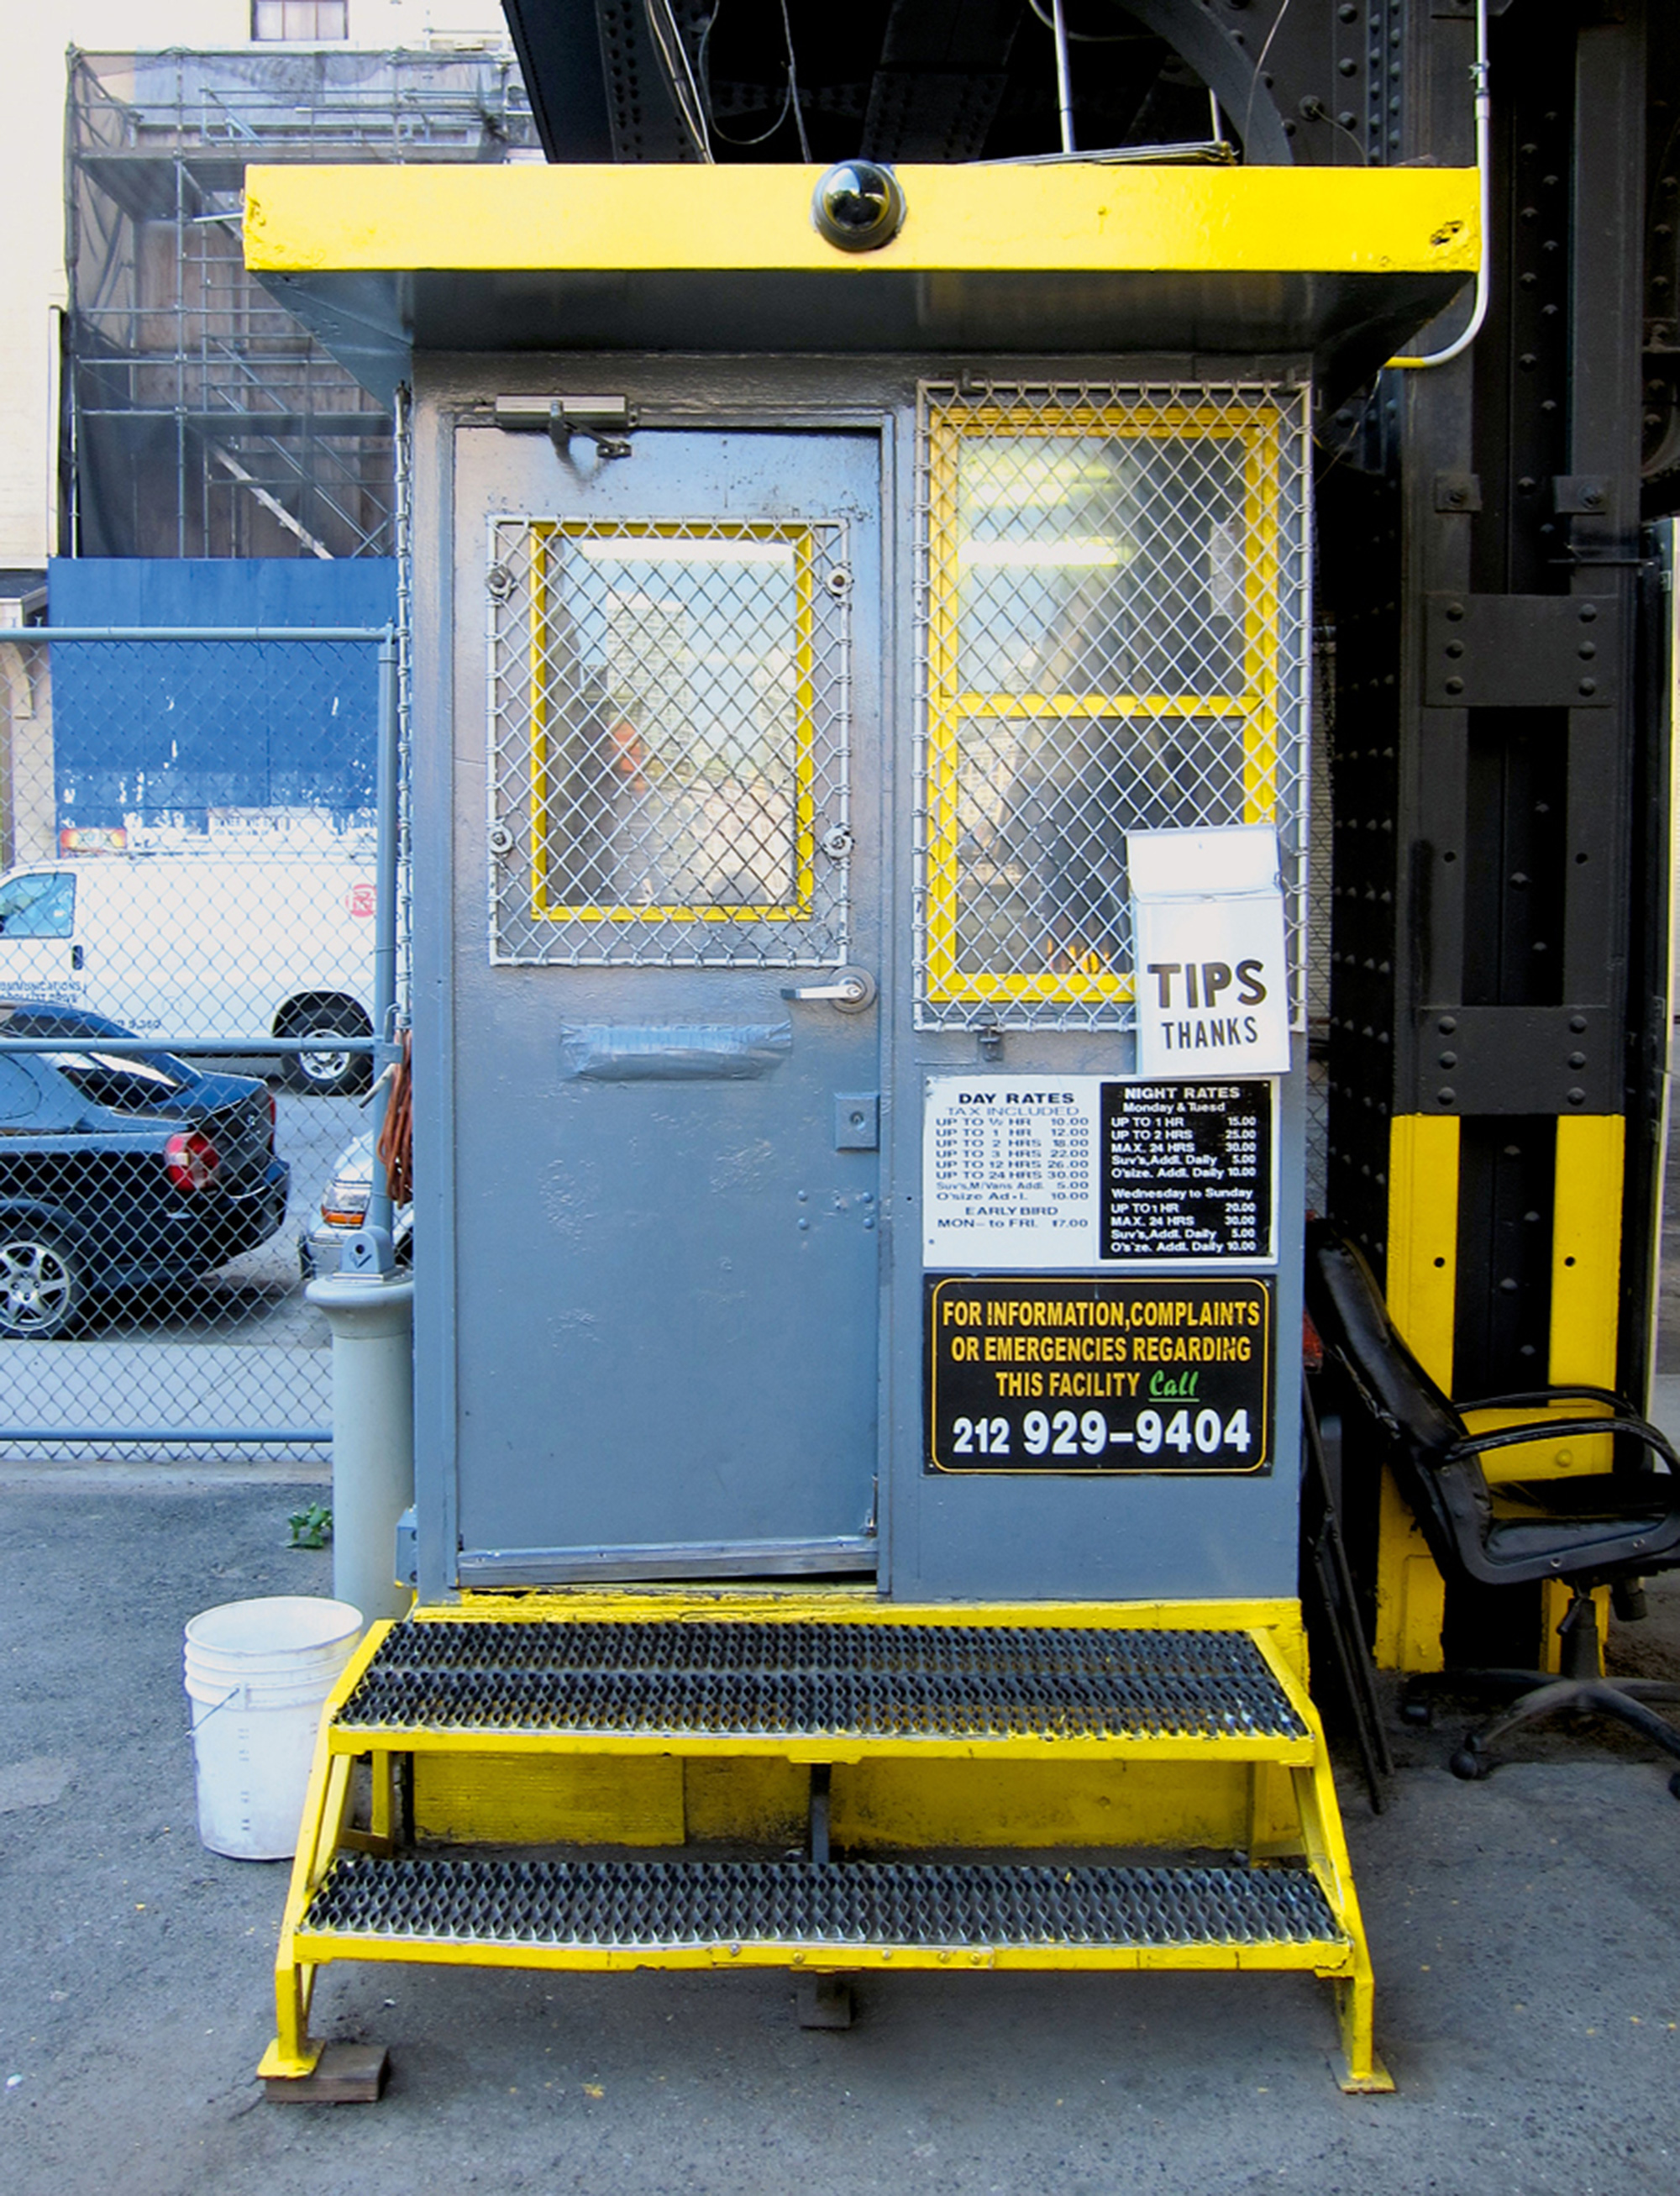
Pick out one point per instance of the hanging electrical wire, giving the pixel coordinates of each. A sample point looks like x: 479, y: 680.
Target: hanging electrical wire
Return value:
x: 1090, y: 38
x: 793, y: 87
x: 679, y: 76
x: 721, y: 136
x: 790, y: 96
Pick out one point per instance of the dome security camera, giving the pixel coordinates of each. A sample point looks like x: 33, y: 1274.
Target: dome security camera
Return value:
x: 858, y: 206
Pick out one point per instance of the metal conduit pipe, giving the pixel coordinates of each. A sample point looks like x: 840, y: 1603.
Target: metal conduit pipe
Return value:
x: 1461, y: 344
x: 371, y: 1316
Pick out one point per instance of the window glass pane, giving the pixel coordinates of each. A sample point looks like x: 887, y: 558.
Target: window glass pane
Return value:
x: 1044, y: 806
x: 302, y: 21
x: 131, y: 1085
x: 672, y: 773
x: 38, y: 907
x: 1100, y: 564
x: 18, y: 1093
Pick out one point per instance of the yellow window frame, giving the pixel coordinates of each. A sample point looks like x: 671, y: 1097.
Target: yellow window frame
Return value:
x: 802, y: 540
x: 949, y: 704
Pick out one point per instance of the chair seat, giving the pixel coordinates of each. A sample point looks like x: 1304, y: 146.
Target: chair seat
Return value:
x: 1583, y: 1522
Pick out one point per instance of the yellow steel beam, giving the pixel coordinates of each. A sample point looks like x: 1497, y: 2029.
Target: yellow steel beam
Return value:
x: 1327, y: 1957
x: 803, y: 1604
x: 1421, y: 1291
x: 473, y: 1739
x: 1076, y: 216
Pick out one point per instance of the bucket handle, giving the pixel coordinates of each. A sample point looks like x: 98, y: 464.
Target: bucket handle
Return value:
x: 226, y: 1701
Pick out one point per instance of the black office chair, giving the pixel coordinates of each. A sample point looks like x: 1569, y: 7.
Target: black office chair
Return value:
x: 1605, y: 1528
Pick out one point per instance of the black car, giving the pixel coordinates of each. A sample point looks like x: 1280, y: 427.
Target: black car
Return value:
x: 121, y: 1170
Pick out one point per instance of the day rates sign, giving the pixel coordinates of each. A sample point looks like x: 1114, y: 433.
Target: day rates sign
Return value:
x: 1049, y: 1373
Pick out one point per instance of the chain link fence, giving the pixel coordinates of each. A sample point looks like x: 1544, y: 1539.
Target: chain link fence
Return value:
x: 197, y: 951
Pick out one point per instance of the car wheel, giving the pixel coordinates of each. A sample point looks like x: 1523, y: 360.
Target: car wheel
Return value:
x: 41, y: 1286
x: 329, y: 1073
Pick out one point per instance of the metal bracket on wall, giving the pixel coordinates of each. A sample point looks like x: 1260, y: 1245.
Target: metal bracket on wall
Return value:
x: 1458, y: 492
x: 1523, y: 652
x: 1581, y: 495
x: 1516, y: 1060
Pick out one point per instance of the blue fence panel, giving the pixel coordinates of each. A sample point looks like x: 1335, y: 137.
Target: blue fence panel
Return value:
x: 162, y: 736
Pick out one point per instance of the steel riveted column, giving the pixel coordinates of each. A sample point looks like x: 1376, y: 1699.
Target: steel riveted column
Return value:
x: 1509, y: 751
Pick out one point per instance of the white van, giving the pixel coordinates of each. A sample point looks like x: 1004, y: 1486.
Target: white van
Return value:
x: 208, y: 945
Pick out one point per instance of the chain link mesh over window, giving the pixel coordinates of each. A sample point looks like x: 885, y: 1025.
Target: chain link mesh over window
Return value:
x: 1112, y: 629
x: 669, y: 742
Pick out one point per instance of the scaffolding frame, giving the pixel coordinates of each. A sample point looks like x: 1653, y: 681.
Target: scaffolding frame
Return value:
x: 202, y: 419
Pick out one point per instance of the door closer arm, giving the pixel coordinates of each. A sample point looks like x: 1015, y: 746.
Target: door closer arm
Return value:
x: 606, y: 421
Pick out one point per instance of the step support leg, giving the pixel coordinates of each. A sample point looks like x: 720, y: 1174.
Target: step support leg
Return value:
x: 825, y: 2002
x: 822, y: 1777
x: 1358, y: 2068
x: 294, y: 2054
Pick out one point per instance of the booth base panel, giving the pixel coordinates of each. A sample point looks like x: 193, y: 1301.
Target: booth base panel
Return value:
x: 746, y: 1724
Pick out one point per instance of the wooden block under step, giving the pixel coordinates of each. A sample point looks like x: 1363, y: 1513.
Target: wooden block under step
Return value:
x: 344, y: 2074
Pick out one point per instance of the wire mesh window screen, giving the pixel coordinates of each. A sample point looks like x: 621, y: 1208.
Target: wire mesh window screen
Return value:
x: 668, y: 741
x: 1111, y: 622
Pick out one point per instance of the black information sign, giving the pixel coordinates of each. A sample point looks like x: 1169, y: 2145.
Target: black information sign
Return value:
x: 1186, y: 1170
x: 1039, y: 1373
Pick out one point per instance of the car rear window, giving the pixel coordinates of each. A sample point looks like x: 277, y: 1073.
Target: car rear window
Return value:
x: 38, y: 907
x: 18, y: 1093
x: 128, y: 1085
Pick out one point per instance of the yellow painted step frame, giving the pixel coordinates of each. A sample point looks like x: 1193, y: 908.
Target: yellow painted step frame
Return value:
x: 1344, y: 1960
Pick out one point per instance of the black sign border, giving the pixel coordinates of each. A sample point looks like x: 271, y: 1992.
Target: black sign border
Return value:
x: 1123, y: 1261
x: 1262, y: 1468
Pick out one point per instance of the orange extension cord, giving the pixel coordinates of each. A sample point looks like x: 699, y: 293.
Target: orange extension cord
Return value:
x: 396, y: 1135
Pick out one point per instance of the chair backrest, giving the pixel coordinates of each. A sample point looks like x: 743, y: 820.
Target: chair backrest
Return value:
x: 1352, y: 1320
x: 1449, y: 1502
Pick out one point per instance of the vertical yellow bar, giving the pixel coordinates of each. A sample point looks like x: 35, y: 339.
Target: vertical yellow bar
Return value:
x: 538, y: 721
x: 944, y: 684
x: 1587, y: 1243
x: 1421, y: 1291
x: 805, y: 713
x: 1586, y: 1248
x: 1422, y: 1286
x: 1260, y: 671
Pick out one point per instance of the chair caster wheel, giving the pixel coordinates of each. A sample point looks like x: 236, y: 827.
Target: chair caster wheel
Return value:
x: 1674, y: 1784
x: 1469, y: 1765
x: 1417, y: 1712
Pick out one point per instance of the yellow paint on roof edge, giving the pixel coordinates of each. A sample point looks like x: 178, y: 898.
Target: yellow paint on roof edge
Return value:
x: 1071, y: 217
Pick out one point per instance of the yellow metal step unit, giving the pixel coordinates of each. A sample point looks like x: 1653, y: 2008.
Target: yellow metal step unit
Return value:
x: 685, y: 1718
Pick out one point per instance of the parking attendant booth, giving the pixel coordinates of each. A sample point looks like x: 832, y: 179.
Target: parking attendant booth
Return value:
x: 859, y: 787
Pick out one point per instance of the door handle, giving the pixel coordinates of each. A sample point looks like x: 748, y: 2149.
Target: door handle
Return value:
x: 77, y: 956
x: 848, y: 990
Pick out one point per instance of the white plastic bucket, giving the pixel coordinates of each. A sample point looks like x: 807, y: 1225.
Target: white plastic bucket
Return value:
x: 257, y: 1675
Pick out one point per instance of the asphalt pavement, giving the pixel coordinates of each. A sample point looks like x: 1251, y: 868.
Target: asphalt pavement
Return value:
x: 241, y: 1348
x: 1526, y: 1934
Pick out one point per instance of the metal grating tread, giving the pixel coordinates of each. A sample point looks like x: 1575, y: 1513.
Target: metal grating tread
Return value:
x: 668, y: 1904
x: 810, y: 1680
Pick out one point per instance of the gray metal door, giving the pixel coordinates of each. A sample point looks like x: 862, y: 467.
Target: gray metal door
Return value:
x: 667, y: 1052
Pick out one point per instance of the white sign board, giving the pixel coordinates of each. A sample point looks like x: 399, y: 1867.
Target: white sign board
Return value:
x: 1009, y: 1171
x: 1026, y: 1172
x: 1211, y: 972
